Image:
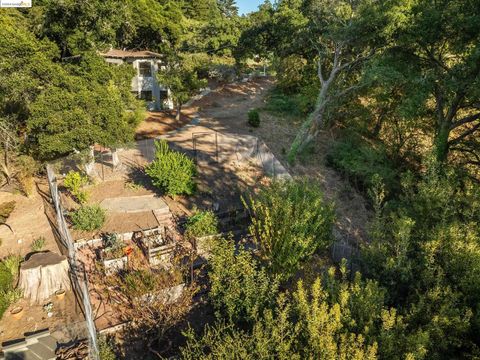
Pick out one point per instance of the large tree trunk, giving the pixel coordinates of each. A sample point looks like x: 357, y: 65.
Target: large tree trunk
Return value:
x: 312, y: 126
x: 441, y: 142
x: 42, y: 275
x: 316, y: 121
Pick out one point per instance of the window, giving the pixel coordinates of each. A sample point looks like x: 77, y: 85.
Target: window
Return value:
x: 145, y: 69
x: 146, y: 95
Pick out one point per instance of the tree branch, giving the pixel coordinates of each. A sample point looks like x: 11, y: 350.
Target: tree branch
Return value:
x: 455, y: 104
x: 464, y: 135
x: 320, y: 74
x: 465, y: 120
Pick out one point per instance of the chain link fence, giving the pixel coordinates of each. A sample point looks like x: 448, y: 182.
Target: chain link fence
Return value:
x: 77, y: 272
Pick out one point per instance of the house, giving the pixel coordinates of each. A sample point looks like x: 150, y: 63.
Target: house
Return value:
x: 144, y: 84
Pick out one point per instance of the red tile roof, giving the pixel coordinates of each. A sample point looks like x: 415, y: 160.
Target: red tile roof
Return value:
x: 122, y: 54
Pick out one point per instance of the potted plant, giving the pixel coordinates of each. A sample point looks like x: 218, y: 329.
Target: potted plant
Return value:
x: 60, y: 294
x: 17, y: 312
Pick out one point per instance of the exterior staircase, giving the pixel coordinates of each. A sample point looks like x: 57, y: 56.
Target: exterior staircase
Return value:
x: 164, y: 216
x: 39, y: 346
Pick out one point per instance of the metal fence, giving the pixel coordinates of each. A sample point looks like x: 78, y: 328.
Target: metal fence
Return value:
x: 215, y: 146
x: 77, y: 271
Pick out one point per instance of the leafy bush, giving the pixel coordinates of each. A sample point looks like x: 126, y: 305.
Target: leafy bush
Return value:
x: 105, y: 349
x: 8, y: 272
x: 5, y: 210
x: 140, y: 282
x: 359, y: 161
x: 74, y: 182
x: 88, y: 218
x: 290, y: 222
x: 171, y: 171
x: 281, y: 103
x: 6, y: 277
x: 295, y: 105
x: 27, y: 168
x: 38, y: 244
x: 240, y: 290
x: 330, y: 319
x: 112, y: 246
x: 254, y: 118
x: 291, y: 73
x: 222, y: 72
x: 203, y: 223
x: 12, y: 264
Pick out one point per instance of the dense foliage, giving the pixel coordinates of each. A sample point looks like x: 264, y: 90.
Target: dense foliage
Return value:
x: 88, y: 218
x: 285, y: 245
x: 183, y: 81
x: 396, y: 84
x: 9, y: 268
x: 241, y: 290
x: 171, y: 171
x: 74, y: 183
x: 333, y: 318
x: 202, y: 223
x: 57, y: 94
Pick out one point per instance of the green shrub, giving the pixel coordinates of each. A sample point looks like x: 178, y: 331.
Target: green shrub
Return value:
x: 171, y: 171
x: 5, y: 210
x: 12, y: 264
x: 74, y: 182
x: 6, y: 277
x: 240, y: 289
x: 297, y: 105
x: 290, y: 222
x: 360, y: 161
x: 8, y: 271
x: 38, y: 244
x: 203, y: 223
x: 88, y: 218
x: 140, y: 282
x: 105, y: 349
x: 254, y: 118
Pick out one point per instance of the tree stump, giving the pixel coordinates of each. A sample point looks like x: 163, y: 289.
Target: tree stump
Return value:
x: 42, y: 275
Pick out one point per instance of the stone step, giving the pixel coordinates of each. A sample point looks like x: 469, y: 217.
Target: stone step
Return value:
x: 162, y: 217
x: 164, y: 220
x: 42, y: 351
x: 17, y: 346
x: 164, y: 210
x: 33, y: 338
x: 49, y: 341
x: 168, y: 215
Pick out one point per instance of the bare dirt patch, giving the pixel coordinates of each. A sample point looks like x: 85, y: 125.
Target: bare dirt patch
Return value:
x: 34, y: 317
x: 159, y: 123
x: 28, y: 222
